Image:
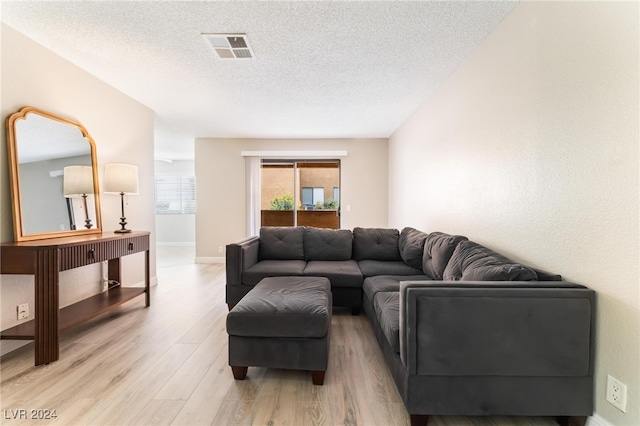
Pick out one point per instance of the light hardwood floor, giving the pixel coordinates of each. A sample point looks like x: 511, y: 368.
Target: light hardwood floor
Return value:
x: 167, y: 364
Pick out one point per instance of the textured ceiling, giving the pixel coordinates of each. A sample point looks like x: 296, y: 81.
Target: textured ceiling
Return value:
x: 322, y: 69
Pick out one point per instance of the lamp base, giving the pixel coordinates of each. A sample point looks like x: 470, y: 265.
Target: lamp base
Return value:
x: 87, y: 221
x: 123, y: 221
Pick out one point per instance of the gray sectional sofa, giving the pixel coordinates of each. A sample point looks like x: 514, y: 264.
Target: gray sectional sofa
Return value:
x: 463, y: 329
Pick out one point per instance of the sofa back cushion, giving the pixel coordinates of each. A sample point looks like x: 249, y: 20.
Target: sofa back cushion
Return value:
x: 473, y: 262
x: 438, y: 249
x: 281, y: 243
x: 327, y: 244
x: 411, y: 245
x: 376, y: 244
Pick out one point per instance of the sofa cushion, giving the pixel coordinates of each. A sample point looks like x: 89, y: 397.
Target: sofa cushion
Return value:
x: 411, y: 246
x: 341, y: 273
x: 327, y: 244
x: 272, y: 268
x: 376, y: 244
x: 296, y: 307
x: 371, y: 268
x: 473, y: 262
x: 547, y: 276
x: 281, y: 243
x: 386, y: 306
x: 438, y: 249
x: 381, y: 283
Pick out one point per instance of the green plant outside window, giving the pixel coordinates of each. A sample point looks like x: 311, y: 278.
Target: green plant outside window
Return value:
x: 282, y: 203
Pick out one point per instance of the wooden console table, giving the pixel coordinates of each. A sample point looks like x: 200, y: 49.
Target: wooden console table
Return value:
x: 45, y: 259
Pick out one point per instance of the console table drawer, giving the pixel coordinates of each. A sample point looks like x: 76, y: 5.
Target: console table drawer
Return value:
x: 87, y: 254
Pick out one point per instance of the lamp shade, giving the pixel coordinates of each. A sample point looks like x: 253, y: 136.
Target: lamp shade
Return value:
x: 120, y: 178
x: 77, y: 181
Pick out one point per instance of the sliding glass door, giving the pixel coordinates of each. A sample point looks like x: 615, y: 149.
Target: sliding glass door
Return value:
x: 277, y: 194
x: 300, y: 193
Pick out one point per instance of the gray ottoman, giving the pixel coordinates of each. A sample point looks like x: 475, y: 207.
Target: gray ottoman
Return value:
x: 283, y: 322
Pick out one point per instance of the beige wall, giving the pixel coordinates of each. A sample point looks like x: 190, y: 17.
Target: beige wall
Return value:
x: 531, y: 147
x: 220, y: 176
x: 123, y: 131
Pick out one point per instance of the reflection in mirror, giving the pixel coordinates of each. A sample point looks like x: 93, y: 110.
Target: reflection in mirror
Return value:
x: 54, y: 176
x: 78, y: 183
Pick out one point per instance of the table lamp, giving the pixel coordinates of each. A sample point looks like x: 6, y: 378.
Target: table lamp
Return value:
x: 121, y: 179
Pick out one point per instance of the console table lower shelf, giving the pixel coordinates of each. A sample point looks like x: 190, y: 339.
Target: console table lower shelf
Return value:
x: 79, y: 312
x: 44, y: 259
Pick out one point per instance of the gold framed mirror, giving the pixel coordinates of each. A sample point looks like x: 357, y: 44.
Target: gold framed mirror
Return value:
x: 54, y: 176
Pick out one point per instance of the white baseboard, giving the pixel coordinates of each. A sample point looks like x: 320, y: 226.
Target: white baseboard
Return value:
x: 210, y: 260
x: 596, y: 420
x: 184, y: 244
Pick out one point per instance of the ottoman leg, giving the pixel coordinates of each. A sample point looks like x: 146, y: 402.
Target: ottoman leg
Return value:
x: 239, y: 373
x: 317, y: 377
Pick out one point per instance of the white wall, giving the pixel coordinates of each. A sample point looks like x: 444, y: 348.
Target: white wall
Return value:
x: 220, y: 185
x: 176, y: 229
x: 531, y: 147
x: 123, y: 131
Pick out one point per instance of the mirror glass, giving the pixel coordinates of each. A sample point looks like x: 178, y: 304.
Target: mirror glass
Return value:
x: 54, y: 176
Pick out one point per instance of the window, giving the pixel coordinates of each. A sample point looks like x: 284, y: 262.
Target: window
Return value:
x: 311, y: 196
x: 295, y: 193
x: 175, y: 194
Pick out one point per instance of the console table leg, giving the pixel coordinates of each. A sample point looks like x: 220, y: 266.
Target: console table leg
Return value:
x: 47, y: 348
x: 147, y: 295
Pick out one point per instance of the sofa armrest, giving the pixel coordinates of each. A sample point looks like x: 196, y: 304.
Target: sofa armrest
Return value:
x: 240, y: 256
x: 467, y: 328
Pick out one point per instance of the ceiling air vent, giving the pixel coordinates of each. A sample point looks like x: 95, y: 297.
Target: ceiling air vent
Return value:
x: 230, y: 46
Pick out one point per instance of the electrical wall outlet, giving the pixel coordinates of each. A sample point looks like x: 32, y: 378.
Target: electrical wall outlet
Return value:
x: 220, y: 249
x: 23, y: 311
x: 617, y: 393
